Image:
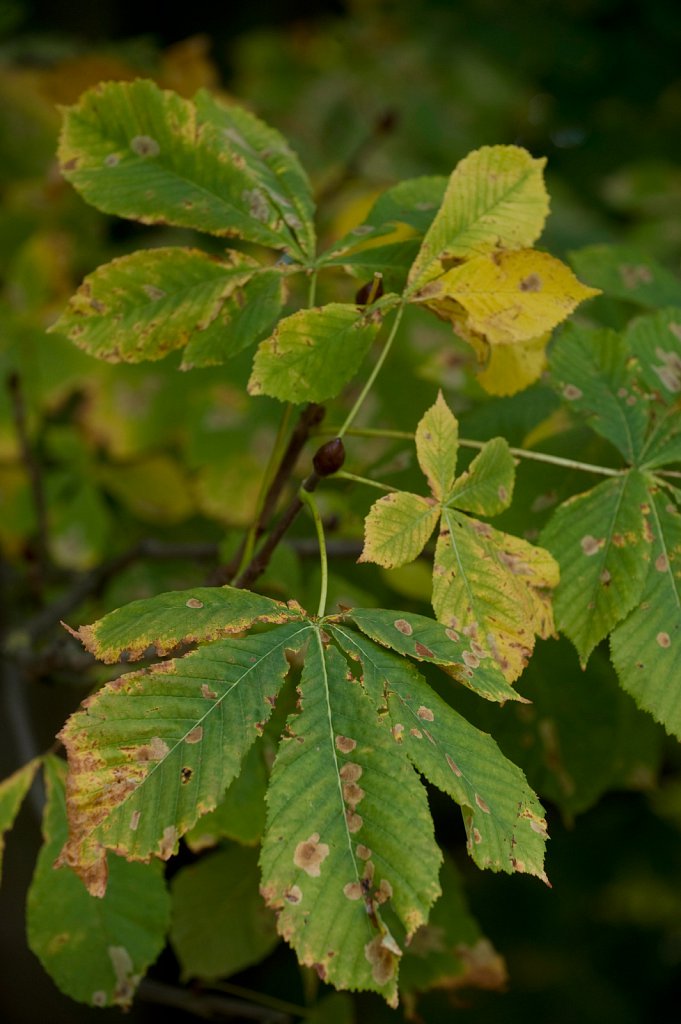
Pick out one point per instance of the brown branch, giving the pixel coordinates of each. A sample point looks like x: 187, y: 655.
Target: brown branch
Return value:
x: 310, y: 418
x: 33, y: 471
x: 207, y: 1005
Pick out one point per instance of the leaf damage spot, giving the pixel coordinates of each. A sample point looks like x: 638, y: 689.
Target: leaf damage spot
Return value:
x: 353, y: 794
x: 454, y: 766
x: 470, y: 659
x: 144, y: 145
x: 195, y: 735
x: 166, y: 847
x: 194, y: 602
x: 362, y: 851
x: 426, y: 714
x: 635, y: 275
x: 382, y: 960
x: 571, y: 392
x: 481, y: 804
x: 126, y: 980
x: 384, y: 891
x: 98, y: 998
x: 404, y: 627
x: 155, y: 750
x: 351, y: 772
x: 294, y: 894
x: 416, y: 733
x: 397, y: 731
x: 453, y: 635
x: 663, y: 639
x: 669, y: 371
x: 353, y: 891
x: 112, y: 160
x: 590, y: 545
x: 310, y: 855
x: 354, y: 821
x: 207, y: 692
x: 186, y: 774
x: 135, y: 820
x: 345, y: 744
x: 531, y: 283
x: 423, y: 652
x: 661, y: 563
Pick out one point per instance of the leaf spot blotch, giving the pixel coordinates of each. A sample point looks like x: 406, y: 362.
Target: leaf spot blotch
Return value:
x: 310, y: 854
x: 571, y: 392
x: 423, y: 651
x: 404, y: 627
x: 590, y: 545
x: 531, y: 283
x: 663, y: 639
x: 353, y: 890
x: 144, y: 145
x: 425, y: 714
x: 195, y: 735
x: 481, y: 804
x: 293, y: 894
x: 345, y: 744
x: 194, y: 602
x: 661, y: 563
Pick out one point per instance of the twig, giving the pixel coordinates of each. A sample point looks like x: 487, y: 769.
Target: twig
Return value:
x: 17, y: 399
x: 310, y: 418
x: 207, y: 1005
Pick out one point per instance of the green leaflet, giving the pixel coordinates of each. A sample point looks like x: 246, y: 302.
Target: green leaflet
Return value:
x: 178, y: 617
x: 645, y: 647
x: 416, y: 636
x: 271, y: 162
x: 495, y: 198
x: 389, y: 239
x: 504, y: 821
x: 626, y: 272
x: 489, y: 586
x: 95, y: 950
x: 594, y: 373
x: 656, y: 341
x: 13, y: 789
x: 348, y: 830
x: 147, y: 304
x: 152, y: 751
x: 313, y: 354
x: 602, y: 541
x: 134, y: 150
x: 209, y: 938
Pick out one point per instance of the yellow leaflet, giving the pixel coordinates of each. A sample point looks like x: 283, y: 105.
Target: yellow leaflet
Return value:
x: 507, y: 297
x: 514, y: 367
x: 437, y: 442
x: 496, y: 198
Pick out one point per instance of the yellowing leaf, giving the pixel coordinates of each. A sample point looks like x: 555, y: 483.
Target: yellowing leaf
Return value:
x: 397, y: 529
x: 508, y: 297
x: 495, y: 199
x: 512, y: 368
x: 437, y: 442
x: 494, y: 587
x: 489, y: 586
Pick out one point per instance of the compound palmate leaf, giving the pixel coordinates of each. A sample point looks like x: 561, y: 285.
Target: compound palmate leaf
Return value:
x: 137, y: 151
x: 147, y: 304
x: 490, y: 586
x: 349, y: 861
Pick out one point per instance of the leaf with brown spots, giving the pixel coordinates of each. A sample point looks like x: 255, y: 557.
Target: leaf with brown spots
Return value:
x: 437, y: 445
x: 313, y: 353
x: 134, y: 150
x: 348, y: 829
x: 397, y: 528
x: 503, y: 817
x: 602, y: 541
x: 495, y: 198
x: 646, y: 647
x: 178, y: 617
x: 457, y: 653
x: 96, y: 950
x: 149, y: 303
x: 150, y: 752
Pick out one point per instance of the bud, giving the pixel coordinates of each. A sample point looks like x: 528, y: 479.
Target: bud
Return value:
x: 329, y: 458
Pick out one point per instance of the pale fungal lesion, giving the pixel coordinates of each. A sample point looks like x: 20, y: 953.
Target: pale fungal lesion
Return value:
x: 144, y: 145
x: 310, y: 854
